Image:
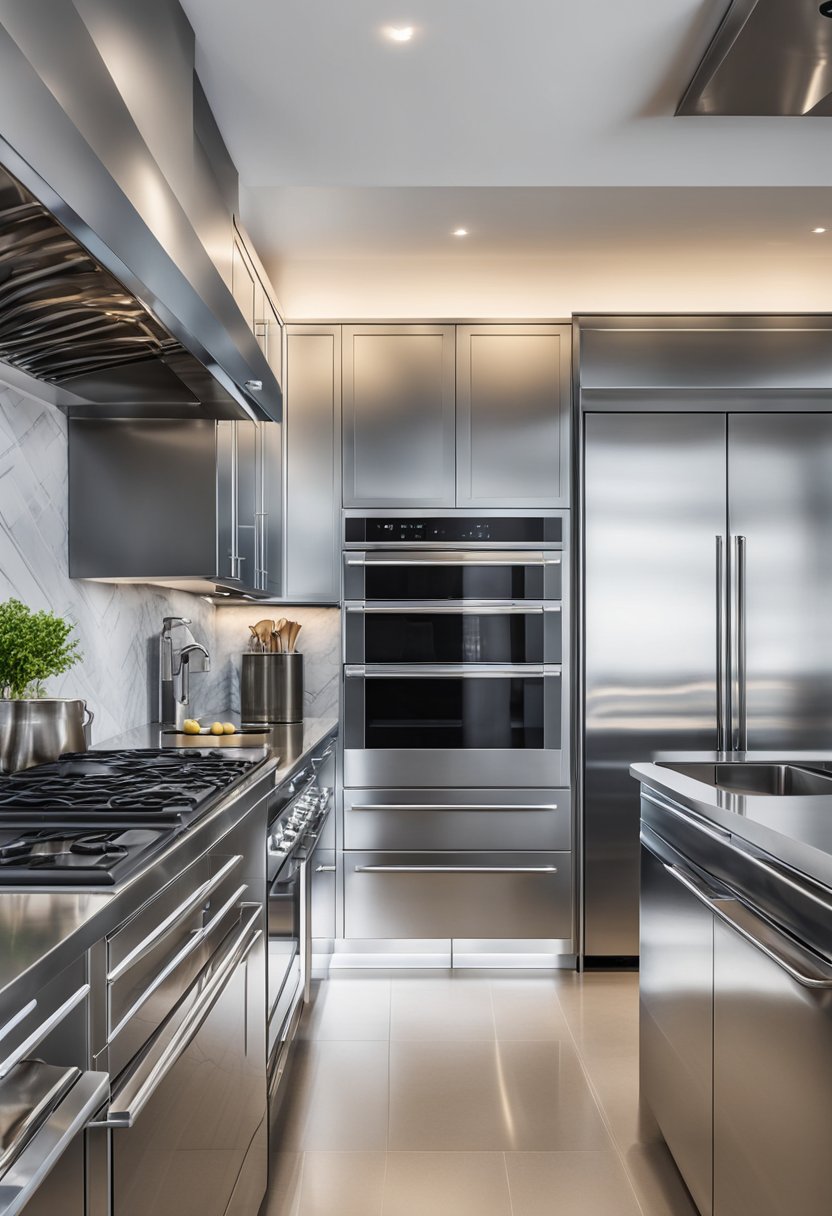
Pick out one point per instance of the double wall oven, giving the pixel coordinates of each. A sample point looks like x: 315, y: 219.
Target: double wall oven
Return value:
x: 455, y: 650
x: 457, y: 811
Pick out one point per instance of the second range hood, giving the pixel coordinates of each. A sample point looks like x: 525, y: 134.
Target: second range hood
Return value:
x: 768, y: 57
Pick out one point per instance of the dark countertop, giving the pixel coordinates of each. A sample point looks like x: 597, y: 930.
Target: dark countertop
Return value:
x: 794, y: 829
x: 43, y: 931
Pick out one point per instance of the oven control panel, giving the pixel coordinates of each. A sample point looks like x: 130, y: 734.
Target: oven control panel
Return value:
x: 452, y: 530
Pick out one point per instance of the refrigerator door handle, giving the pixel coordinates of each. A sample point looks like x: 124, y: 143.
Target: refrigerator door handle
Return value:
x: 723, y: 686
x: 739, y: 704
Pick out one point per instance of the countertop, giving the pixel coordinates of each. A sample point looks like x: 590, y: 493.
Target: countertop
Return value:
x: 794, y: 829
x: 43, y: 931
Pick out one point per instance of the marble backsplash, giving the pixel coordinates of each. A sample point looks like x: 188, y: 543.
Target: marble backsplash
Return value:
x: 118, y: 625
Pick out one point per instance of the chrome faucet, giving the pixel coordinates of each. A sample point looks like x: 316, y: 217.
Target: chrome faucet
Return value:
x: 175, y: 669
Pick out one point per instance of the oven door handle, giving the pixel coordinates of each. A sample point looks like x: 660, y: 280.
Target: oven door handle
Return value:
x: 493, y: 559
x: 470, y: 671
x: 467, y: 609
x: 140, y: 1087
x: 40, y: 1152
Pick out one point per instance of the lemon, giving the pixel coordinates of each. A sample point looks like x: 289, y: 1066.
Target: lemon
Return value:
x: 191, y: 727
x: 217, y: 728
x: 229, y: 728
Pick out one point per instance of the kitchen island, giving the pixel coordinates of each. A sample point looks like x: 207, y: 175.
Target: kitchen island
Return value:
x: 736, y: 975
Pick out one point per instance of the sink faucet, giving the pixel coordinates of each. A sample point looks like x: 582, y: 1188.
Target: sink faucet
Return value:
x: 175, y: 657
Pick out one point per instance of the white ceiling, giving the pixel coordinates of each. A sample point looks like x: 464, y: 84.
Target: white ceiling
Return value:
x: 544, y: 126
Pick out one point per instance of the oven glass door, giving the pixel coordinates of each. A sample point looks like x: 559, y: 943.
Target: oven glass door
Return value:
x: 460, y: 634
x: 487, y: 577
x: 509, y: 709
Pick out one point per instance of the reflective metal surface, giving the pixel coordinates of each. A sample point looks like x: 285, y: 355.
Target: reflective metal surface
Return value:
x: 780, y: 500
x: 175, y: 667
x: 38, y: 731
x: 73, y: 143
x: 676, y: 1020
x: 654, y: 501
x: 271, y: 688
x: 776, y: 780
x: 767, y: 57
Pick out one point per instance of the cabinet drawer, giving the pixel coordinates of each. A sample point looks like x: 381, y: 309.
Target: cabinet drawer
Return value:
x: 498, y: 896
x: 323, y: 894
x: 468, y: 819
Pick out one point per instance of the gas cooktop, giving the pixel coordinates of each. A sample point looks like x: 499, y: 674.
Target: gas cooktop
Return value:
x: 92, y: 818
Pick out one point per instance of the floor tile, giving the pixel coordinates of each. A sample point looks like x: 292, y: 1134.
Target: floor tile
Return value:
x: 338, y: 1098
x: 446, y: 1184
x: 569, y: 1184
x: 528, y: 1009
x: 436, y: 1008
x: 480, y: 1096
x: 342, y: 1184
x: 348, y: 1009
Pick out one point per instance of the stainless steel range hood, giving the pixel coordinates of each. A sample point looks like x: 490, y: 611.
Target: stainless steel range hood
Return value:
x: 110, y: 304
x: 768, y: 57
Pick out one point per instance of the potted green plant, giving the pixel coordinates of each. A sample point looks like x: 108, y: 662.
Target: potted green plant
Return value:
x: 34, y: 728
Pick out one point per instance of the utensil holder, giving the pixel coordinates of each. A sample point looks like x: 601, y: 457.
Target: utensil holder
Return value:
x: 271, y: 688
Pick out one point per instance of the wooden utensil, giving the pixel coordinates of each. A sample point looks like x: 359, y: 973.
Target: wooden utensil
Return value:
x: 294, y: 630
x: 262, y: 631
x: 278, y: 638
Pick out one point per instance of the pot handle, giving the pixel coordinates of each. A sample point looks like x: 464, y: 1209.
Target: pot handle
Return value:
x: 89, y: 719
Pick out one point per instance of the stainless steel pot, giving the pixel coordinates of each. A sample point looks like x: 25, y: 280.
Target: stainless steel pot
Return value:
x: 271, y: 688
x: 37, y: 732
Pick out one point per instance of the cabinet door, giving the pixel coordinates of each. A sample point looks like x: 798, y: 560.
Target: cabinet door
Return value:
x: 772, y: 1081
x: 313, y: 402
x: 676, y: 1021
x: 247, y: 505
x: 399, y: 424
x: 513, y: 410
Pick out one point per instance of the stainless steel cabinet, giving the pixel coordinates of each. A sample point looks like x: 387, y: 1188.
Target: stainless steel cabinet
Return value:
x: 313, y: 462
x: 323, y: 895
x: 513, y: 390
x: 169, y: 502
x: 772, y: 1080
x: 243, y: 281
x: 398, y: 415
x: 676, y: 1020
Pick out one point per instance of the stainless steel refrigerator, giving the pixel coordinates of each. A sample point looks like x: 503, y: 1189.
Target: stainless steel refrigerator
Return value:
x: 708, y: 613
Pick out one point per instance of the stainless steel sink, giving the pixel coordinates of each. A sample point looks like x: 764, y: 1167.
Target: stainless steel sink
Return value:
x: 775, y: 780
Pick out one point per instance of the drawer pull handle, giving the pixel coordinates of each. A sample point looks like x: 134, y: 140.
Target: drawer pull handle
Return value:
x: 185, y: 908
x: 456, y: 869
x: 39, y: 1034
x: 324, y: 869
x: 456, y: 806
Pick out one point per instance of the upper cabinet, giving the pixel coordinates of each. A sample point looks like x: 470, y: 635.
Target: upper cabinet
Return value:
x: 513, y: 395
x: 465, y: 416
x: 398, y: 415
x: 313, y: 498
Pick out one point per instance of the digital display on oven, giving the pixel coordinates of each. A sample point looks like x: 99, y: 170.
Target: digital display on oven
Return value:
x: 504, y: 530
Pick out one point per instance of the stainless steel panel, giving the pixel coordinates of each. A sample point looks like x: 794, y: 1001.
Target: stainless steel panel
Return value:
x: 269, y: 519
x: 242, y: 283
x: 398, y: 415
x: 313, y: 465
x: 676, y: 1022
x: 769, y: 354
x: 655, y: 500
x: 513, y: 414
x: 780, y: 500
x: 767, y: 57
x: 198, y: 1123
x: 247, y: 504
x: 128, y: 941
x: 772, y: 1086
x: 429, y: 820
x: 466, y: 895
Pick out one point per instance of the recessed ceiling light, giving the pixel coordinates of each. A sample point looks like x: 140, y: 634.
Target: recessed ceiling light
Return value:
x: 460, y: 232
x: 818, y: 231
x: 400, y: 33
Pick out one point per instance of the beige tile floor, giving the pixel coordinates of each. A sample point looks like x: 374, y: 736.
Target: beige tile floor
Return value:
x: 459, y: 1095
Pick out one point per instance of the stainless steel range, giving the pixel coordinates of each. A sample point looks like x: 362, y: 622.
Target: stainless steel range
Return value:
x: 91, y: 819
x: 456, y: 649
